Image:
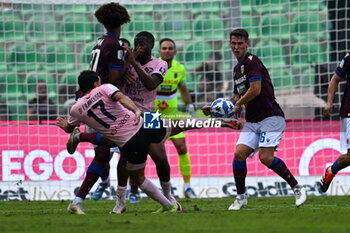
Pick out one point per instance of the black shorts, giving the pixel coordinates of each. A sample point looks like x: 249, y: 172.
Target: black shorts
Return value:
x: 136, y: 149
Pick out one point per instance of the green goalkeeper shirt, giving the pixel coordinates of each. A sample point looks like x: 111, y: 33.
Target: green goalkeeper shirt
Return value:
x: 166, y: 99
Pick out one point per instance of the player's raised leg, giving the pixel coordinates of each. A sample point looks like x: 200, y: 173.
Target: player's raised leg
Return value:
x: 342, y: 162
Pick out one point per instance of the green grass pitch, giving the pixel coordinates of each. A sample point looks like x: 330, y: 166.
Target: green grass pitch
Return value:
x: 274, y: 214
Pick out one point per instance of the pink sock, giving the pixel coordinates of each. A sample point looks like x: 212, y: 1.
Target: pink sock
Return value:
x: 121, y: 193
x: 166, y: 187
x: 153, y: 192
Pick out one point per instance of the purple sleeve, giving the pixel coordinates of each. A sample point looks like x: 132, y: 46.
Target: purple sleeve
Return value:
x: 117, y: 58
x: 344, y: 67
x: 253, y: 68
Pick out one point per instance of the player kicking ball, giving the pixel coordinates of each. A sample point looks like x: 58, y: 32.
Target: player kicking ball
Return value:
x: 119, y: 123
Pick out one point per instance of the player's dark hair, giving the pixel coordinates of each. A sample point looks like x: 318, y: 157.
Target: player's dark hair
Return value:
x: 146, y: 35
x: 125, y: 41
x: 167, y: 39
x: 87, y: 79
x: 240, y: 32
x: 112, y: 15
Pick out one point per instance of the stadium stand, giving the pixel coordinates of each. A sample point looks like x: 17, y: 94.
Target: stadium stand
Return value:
x: 58, y: 58
x: 23, y: 57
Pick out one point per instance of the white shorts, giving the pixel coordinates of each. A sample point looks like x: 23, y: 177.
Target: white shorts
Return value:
x: 345, y: 134
x: 266, y: 133
x: 88, y: 129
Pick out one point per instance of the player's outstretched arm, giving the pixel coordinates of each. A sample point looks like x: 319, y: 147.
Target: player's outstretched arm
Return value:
x: 63, y: 124
x: 127, y: 103
x: 186, y: 98
x: 332, y: 89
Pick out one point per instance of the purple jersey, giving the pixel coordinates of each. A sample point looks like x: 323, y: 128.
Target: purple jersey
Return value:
x: 107, y: 116
x: 343, y: 71
x: 264, y: 105
x: 137, y: 92
x: 106, y: 55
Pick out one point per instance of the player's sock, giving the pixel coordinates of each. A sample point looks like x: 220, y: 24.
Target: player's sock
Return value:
x: 121, y: 194
x: 335, y: 168
x: 166, y: 187
x: 280, y: 168
x: 185, y: 167
x: 93, y: 173
x: 105, y: 180
x: 77, y: 200
x: 133, y: 187
x: 153, y: 192
x: 187, y: 185
x: 94, y: 138
x: 240, y: 173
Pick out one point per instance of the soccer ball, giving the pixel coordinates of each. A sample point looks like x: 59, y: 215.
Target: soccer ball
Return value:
x: 222, y: 108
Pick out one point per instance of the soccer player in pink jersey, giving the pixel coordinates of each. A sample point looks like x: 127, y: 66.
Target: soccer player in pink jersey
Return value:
x: 140, y: 84
x: 106, y: 109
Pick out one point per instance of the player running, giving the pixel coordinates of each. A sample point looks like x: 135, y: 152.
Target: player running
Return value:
x: 341, y: 73
x: 265, y: 120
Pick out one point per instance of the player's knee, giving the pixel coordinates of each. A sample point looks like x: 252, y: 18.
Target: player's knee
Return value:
x: 182, y: 149
x: 239, y: 155
x: 266, y: 159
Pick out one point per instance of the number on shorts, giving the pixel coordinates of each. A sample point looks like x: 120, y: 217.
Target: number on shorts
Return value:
x: 95, y: 55
x: 104, y: 111
x: 262, y: 137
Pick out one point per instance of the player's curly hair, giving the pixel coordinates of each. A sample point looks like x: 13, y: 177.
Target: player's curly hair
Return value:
x: 112, y: 15
x: 87, y: 79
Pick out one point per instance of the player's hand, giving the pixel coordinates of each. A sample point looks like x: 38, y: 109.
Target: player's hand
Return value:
x: 192, y: 111
x: 61, y: 122
x: 206, y: 110
x: 137, y: 117
x: 238, y: 111
x: 129, y: 77
x: 130, y: 55
x: 328, y: 110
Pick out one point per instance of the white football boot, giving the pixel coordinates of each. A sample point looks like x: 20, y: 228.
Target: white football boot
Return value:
x: 239, y: 203
x: 75, y: 208
x: 300, y: 195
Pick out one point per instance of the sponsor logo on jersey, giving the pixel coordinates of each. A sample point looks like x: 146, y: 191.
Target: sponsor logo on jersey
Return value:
x: 120, y: 54
x: 242, y: 69
x: 175, y: 75
x: 151, y: 120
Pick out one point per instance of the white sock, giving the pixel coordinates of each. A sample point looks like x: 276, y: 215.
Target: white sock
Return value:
x: 153, y: 192
x: 187, y: 185
x: 105, y: 181
x: 77, y: 200
x: 241, y: 196
x: 166, y: 187
x: 121, y: 193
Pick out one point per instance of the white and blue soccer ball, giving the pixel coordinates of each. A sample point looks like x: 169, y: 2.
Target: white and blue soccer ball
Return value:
x: 222, y: 108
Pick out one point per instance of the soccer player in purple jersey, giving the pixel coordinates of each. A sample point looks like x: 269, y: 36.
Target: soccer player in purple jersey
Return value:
x: 107, y: 58
x: 106, y: 109
x: 341, y: 73
x: 265, y: 119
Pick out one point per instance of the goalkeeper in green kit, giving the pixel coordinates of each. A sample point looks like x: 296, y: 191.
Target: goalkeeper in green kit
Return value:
x: 166, y: 103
